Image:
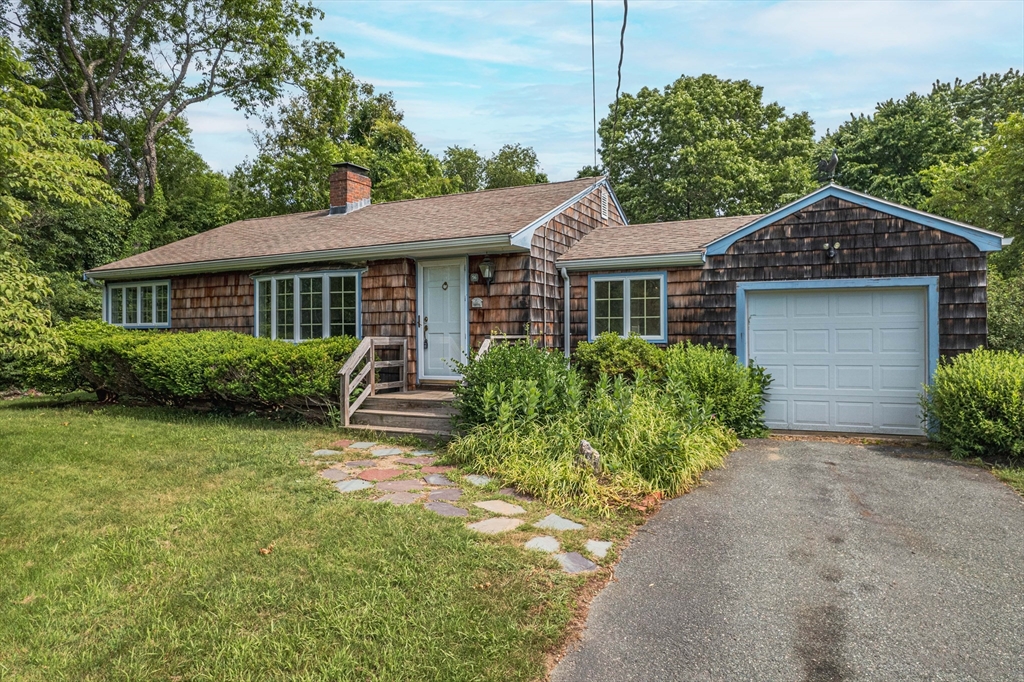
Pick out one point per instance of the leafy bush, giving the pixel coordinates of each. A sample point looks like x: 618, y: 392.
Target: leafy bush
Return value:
x: 975, y: 405
x: 187, y: 368
x: 614, y: 355
x: 721, y: 385
x: 500, y: 366
x: 1005, y: 317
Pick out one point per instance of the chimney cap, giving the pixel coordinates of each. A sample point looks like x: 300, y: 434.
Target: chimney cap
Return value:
x: 345, y: 165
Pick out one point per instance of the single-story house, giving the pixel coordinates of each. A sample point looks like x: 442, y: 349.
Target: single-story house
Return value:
x: 846, y: 299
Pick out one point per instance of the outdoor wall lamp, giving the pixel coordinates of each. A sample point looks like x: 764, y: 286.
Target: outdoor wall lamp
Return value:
x: 487, y: 272
x: 832, y: 248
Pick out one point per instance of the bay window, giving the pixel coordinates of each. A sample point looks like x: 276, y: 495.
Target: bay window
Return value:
x: 308, y: 305
x: 138, y: 304
x: 624, y: 304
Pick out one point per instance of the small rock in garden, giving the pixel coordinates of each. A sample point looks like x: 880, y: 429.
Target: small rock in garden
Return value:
x: 512, y: 492
x: 379, y: 474
x: 398, y: 498
x: 448, y: 494
x: 574, y: 562
x: 445, y: 509
x: 416, y: 461
x: 341, y: 444
x: 437, y: 479
x: 362, y: 446
x: 361, y: 463
x: 499, y: 524
x: 437, y: 470
x: 478, y: 480
x: 326, y: 453
x: 385, y: 452
x: 544, y: 543
x: 556, y: 522
x: 418, y: 453
x: 352, y: 485
x: 598, y: 548
x: 588, y: 457
x: 400, y: 486
x: 334, y: 474
x: 500, y: 507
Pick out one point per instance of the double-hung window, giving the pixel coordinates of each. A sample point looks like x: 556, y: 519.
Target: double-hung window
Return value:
x: 307, y: 305
x: 138, y: 304
x: 629, y: 304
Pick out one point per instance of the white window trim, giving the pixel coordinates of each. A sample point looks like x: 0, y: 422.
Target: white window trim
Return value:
x: 297, y: 318
x: 107, y: 308
x: 626, y: 278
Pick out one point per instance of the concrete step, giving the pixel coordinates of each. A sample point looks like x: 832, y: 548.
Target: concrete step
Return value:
x: 427, y: 421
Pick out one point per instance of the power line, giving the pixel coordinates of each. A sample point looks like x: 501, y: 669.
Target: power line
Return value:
x: 593, y: 77
x: 622, y: 51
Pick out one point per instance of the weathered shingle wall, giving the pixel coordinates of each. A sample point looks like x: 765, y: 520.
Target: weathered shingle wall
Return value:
x: 221, y: 302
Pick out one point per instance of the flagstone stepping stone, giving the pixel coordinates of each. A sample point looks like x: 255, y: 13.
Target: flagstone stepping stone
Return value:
x: 362, y: 463
x: 398, y: 498
x: 543, y: 543
x: 341, y: 444
x: 379, y: 474
x: 334, y: 474
x: 574, y: 562
x: 326, y: 453
x: 449, y: 494
x: 598, y: 548
x: 352, y: 485
x: 500, y: 507
x: 437, y: 470
x: 437, y: 479
x: 385, y: 452
x: 512, y: 492
x: 417, y: 453
x: 445, y: 509
x: 400, y: 486
x: 478, y: 480
x: 498, y: 524
x: 362, y: 446
x: 416, y: 461
x: 556, y: 522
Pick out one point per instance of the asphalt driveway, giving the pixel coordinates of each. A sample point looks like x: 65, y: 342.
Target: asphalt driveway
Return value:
x: 818, y: 561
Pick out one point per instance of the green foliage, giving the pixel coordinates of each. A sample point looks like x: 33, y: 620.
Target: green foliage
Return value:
x: 1005, y: 312
x: 716, y: 381
x: 466, y: 165
x: 513, y: 165
x: 976, y: 404
x: 228, y: 369
x: 704, y: 147
x: 488, y: 380
x: 614, y: 356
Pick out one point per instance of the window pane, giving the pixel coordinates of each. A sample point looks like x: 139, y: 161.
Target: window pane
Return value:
x: 608, y: 307
x: 311, y: 302
x: 265, y: 302
x: 343, y: 306
x: 147, y: 305
x: 116, y: 313
x: 163, y: 303
x: 285, y: 309
x: 131, y: 305
x: 645, y: 307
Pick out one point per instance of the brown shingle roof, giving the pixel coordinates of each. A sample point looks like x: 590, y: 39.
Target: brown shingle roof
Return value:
x: 455, y: 216
x: 654, y: 239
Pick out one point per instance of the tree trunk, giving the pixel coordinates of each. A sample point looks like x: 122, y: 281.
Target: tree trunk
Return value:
x: 149, y: 154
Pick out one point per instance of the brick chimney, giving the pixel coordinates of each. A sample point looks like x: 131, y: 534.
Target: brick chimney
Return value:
x: 350, y: 188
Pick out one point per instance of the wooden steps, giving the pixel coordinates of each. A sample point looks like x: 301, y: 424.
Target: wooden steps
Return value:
x: 426, y: 414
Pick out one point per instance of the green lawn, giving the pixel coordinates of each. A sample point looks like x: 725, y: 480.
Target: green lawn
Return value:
x: 129, y: 543
x: 1012, y: 476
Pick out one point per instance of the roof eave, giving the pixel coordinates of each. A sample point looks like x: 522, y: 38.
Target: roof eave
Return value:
x: 524, y: 236
x: 685, y: 259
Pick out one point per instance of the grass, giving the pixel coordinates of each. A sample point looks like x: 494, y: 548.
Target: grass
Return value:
x: 129, y: 549
x: 1011, y: 476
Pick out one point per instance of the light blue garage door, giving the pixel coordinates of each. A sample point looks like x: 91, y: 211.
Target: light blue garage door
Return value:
x: 842, y: 360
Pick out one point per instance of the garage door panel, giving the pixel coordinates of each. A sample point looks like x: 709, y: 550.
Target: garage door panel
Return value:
x: 847, y: 360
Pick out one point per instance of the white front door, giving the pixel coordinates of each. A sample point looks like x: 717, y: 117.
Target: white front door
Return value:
x: 443, y: 325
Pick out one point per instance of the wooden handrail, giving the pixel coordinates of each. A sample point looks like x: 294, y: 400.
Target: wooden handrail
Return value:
x: 366, y: 355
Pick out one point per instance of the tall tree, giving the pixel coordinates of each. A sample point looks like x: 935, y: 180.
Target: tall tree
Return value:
x: 130, y: 68
x: 466, y: 165
x: 513, y: 165
x: 704, y: 147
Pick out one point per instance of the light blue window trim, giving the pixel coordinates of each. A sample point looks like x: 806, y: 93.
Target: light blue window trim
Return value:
x: 930, y: 284
x: 626, y: 277
x: 985, y: 241
x: 296, y: 305
x: 151, y: 285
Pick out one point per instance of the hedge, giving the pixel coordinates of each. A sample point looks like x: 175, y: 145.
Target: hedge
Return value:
x: 225, y: 368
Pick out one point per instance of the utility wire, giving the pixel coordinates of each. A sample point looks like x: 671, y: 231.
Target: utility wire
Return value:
x: 622, y: 51
x: 593, y: 77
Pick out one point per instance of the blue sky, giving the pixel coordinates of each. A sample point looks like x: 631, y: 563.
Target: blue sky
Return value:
x: 486, y: 73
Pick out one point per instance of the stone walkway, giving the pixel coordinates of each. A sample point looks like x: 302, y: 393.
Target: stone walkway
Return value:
x: 409, y: 477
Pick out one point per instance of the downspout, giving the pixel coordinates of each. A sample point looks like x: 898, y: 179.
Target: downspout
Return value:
x: 565, y: 311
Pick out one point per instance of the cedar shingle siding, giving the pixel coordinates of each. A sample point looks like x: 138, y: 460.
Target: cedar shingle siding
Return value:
x: 702, y: 301
x: 220, y: 302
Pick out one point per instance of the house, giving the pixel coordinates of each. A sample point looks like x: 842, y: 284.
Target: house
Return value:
x: 846, y: 299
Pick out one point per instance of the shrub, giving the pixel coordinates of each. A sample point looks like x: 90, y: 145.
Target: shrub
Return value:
x: 1005, y: 318
x: 614, y: 355
x: 503, y: 364
x: 975, y: 405
x: 187, y: 368
x: 734, y: 394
